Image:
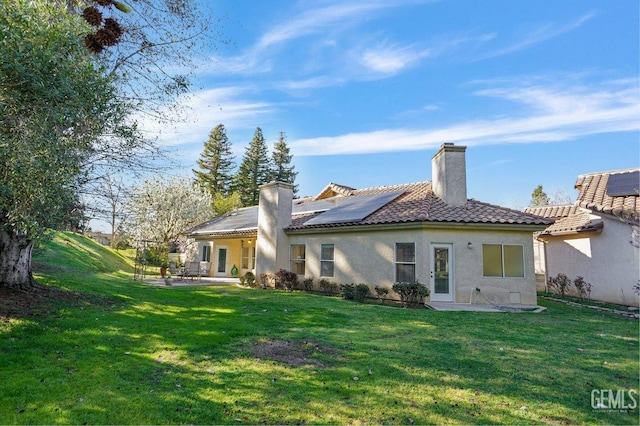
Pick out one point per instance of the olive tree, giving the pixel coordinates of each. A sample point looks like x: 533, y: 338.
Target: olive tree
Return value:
x: 56, y: 105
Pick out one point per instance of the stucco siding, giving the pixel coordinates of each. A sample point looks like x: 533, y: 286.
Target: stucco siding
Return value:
x: 607, y: 260
x: 369, y: 257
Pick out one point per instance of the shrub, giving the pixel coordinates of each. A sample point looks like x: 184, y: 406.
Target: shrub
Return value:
x: 560, y: 283
x: 582, y: 286
x: 381, y: 293
x: 286, y: 279
x: 361, y: 292
x: 347, y: 291
x: 249, y: 279
x: 328, y: 287
x: 267, y: 280
x: 307, y: 283
x: 411, y: 293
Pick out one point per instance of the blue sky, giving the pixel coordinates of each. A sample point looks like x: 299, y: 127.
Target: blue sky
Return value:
x: 367, y: 91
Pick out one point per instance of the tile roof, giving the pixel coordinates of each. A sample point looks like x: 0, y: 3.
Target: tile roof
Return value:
x: 416, y: 204
x: 593, y: 195
x: 553, y: 212
x: 574, y: 224
x: 419, y: 203
x: 334, y: 189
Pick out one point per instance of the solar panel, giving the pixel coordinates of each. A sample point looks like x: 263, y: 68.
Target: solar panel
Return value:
x: 354, y: 209
x: 246, y: 218
x: 623, y: 184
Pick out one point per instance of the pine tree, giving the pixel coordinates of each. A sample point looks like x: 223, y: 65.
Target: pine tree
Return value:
x: 539, y: 197
x: 216, y: 164
x: 254, y: 170
x: 281, y: 162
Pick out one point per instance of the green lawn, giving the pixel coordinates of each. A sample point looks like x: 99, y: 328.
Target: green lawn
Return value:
x: 137, y: 354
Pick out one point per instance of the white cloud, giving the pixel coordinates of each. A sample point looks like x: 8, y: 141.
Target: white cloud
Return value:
x: 386, y: 59
x: 339, y: 15
x: 551, y: 114
x: 203, y: 111
x: 540, y: 34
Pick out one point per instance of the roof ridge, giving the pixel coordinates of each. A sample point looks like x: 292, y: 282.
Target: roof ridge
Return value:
x: 610, y: 172
x: 393, y: 186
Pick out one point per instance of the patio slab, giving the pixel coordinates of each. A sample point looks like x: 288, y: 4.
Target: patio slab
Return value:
x: 187, y: 282
x: 477, y: 307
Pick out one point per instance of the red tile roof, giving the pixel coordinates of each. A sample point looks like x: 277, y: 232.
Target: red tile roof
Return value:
x: 419, y: 203
x: 553, y: 212
x: 574, y: 224
x: 593, y: 195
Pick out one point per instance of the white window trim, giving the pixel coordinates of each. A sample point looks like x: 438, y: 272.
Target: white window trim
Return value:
x: 303, y: 260
x: 333, y: 261
x: 206, y: 253
x: 524, y: 272
x: 396, y: 262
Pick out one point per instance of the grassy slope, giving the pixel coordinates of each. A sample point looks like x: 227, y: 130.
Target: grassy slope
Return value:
x: 183, y: 355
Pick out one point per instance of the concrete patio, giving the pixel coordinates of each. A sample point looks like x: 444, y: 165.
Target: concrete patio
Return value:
x: 187, y: 282
x: 478, y: 307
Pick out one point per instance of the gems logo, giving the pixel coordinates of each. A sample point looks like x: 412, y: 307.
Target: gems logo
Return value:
x: 614, y: 400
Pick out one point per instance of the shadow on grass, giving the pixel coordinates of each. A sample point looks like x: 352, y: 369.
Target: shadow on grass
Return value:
x: 183, y: 355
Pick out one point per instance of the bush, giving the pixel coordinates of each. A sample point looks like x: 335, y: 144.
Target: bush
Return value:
x: 267, y: 280
x: 361, y: 292
x: 286, y: 279
x: 347, y: 291
x: 381, y: 293
x: 249, y: 279
x: 307, y: 283
x: 582, y: 286
x: 411, y: 293
x: 328, y: 287
x: 560, y: 284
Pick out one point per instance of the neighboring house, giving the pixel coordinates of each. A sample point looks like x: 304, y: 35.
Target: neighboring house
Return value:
x: 596, y: 238
x: 426, y: 231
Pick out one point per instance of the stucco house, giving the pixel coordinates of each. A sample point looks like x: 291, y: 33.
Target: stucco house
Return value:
x: 596, y: 238
x: 426, y: 231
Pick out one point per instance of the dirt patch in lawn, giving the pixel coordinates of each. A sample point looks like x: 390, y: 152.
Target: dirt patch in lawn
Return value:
x: 293, y: 354
x: 40, y: 300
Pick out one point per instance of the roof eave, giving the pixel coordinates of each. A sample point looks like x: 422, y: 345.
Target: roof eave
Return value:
x: 419, y: 225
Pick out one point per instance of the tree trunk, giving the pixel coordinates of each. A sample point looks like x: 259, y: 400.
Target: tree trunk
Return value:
x: 15, y: 260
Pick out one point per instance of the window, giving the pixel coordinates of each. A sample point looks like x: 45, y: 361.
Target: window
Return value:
x: 248, y: 257
x: 206, y: 253
x: 405, y: 262
x: 502, y: 260
x: 298, y: 258
x: 326, y: 260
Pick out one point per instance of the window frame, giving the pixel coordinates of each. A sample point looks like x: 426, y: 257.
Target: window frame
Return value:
x: 250, y: 257
x: 206, y: 253
x: 398, y: 263
x: 324, y: 261
x: 302, y: 261
x: 503, y: 267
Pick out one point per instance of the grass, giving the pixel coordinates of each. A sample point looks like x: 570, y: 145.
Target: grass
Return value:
x: 138, y: 354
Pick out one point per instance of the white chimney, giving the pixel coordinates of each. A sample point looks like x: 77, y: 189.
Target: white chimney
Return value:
x: 449, y: 174
x: 274, y: 214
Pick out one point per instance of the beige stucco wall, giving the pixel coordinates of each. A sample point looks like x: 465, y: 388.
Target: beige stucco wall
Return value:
x: 234, y: 253
x: 607, y: 260
x: 368, y: 257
